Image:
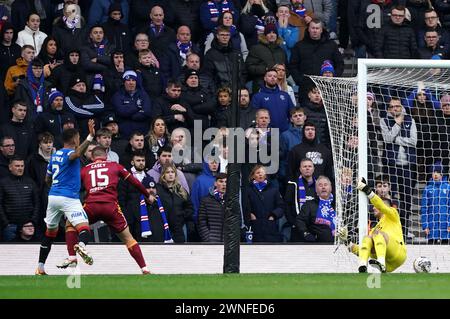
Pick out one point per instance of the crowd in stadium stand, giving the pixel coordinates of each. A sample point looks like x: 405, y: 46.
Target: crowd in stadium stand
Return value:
x: 144, y: 70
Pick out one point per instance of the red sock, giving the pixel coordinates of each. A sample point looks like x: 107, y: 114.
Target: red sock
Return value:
x: 71, y: 240
x: 136, y: 253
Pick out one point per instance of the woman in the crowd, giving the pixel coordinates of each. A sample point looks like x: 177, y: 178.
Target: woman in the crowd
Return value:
x: 158, y: 136
x: 176, y: 203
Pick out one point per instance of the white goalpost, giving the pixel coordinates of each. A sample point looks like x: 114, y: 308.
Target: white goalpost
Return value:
x: 364, y: 145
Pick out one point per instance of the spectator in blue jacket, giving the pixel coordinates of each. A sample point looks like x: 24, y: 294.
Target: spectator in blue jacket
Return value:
x: 263, y: 207
x: 435, y: 211
x: 132, y: 106
x: 287, y: 32
x: 289, y: 138
x: 99, y: 11
x: 211, y: 10
x: 278, y: 103
x: 203, y: 183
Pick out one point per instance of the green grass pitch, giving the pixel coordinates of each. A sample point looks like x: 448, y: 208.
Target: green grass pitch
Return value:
x: 242, y: 286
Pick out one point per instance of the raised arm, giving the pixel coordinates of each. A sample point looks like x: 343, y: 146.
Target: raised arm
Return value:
x: 83, y: 146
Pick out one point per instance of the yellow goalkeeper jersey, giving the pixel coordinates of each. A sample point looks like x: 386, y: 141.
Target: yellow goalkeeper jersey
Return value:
x: 390, y: 222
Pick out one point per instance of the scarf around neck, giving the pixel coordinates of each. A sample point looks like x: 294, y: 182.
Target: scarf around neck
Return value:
x: 326, y: 215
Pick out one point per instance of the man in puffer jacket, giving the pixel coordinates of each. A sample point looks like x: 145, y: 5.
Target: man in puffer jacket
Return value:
x: 397, y: 39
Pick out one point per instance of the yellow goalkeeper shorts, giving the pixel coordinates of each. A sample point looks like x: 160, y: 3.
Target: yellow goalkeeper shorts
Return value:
x: 395, y: 255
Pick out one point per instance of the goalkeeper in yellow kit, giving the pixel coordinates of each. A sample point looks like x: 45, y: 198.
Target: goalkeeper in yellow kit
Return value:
x: 384, y: 244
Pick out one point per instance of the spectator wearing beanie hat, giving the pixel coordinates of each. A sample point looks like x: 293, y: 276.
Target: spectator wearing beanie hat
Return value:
x: 265, y: 55
x: 52, y: 120
x: 132, y: 105
x: 327, y: 69
x: 83, y: 104
x: 117, y: 33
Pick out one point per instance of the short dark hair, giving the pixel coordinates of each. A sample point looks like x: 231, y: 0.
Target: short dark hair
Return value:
x: 297, y: 109
x: 136, y: 133
x: 16, y: 158
x: 309, y: 123
x: 138, y: 153
x: 69, y: 134
x: 19, y: 102
x: 381, y: 179
x: 166, y: 148
x: 45, y: 137
x: 221, y: 176
x: 2, y: 140
x: 173, y: 82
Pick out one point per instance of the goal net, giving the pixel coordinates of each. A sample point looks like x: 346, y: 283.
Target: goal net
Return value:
x: 391, y: 125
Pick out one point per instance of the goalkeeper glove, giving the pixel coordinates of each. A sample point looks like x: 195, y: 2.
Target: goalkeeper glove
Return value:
x: 342, y: 233
x: 362, y: 186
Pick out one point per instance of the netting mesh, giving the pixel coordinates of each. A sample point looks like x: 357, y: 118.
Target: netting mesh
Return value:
x: 408, y: 129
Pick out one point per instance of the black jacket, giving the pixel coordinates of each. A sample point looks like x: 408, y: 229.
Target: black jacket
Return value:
x: 203, y: 105
x: 126, y: 157
x: 23, y: 135
x: 162, y: 106
x: 89, y: 52
x: 316, y: 114
x: 318, y: 153
x: 178, y: 211
x: 186, y: 12
x: 308, y: 55
x: 396, y: 42
x: 210, y: 219
x: 62, y: 74
x: 292, y: 200
x: 247, y: 117
x: 4, y: 166
x: 264, y: 204
x: 36, y: 167
x: 171, y: 62
x: 160, y: 43
x: 218, y: 64
x: 8, y: 55
x: 118, y: 34
x: 305, y: 222
x: 129, y: 199
x: 84, y: 106
x: 19, y: 200
x: 68, y: 39
x: 152, y: 80
x: 52, y: 121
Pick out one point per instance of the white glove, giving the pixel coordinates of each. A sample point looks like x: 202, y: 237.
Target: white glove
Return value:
x: 362, y: 186
x: 342, y: 233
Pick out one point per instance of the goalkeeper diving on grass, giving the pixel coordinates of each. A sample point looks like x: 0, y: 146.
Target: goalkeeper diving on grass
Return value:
x: 384, y: 244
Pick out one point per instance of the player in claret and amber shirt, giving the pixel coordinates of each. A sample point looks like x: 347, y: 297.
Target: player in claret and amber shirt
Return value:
x: 100, y: 179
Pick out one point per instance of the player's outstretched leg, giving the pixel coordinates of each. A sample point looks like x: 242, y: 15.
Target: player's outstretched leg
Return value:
x: 46, y: 246
x: 134, y: 249
x: 84, y: 233
x: 364, y: 252
x: 380, y: 243
x: 71, y: 241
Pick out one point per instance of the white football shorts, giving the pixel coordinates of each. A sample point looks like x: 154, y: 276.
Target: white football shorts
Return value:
x: 70, y: 207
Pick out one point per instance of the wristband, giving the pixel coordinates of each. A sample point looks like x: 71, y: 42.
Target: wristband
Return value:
x: 89, y: 138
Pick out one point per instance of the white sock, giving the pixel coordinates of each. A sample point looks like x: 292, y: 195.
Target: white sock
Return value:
x: 73, y: 258
x: 144, y: 269
x: 41, y: 266
x: 382, y: 260
x: 81, y: 244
